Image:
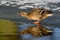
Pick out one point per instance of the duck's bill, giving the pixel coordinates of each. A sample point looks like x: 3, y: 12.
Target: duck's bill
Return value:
x: 50, y: 15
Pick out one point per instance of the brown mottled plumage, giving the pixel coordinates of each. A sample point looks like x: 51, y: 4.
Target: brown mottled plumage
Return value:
x: 36, y: 14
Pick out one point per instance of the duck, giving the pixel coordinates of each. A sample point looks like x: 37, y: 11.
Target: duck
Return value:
x: 37, y: 14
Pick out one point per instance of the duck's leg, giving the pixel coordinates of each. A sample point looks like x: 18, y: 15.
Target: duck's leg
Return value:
x: 37, y: 23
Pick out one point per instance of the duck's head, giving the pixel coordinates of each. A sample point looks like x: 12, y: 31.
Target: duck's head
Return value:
x: 45, y: 13
x: 42, y: 11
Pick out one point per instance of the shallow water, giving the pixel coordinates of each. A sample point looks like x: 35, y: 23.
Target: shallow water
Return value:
x: 54, y: 36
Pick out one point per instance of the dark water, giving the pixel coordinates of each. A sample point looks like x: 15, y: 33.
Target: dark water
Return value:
x: 53, y: 23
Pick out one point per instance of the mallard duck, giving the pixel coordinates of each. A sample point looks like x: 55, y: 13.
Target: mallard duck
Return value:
x: 36, y: 14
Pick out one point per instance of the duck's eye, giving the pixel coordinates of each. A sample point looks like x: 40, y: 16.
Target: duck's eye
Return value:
x: 41, y: 12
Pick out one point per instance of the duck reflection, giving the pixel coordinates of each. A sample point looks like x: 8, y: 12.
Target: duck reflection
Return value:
x: 35, y: 31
